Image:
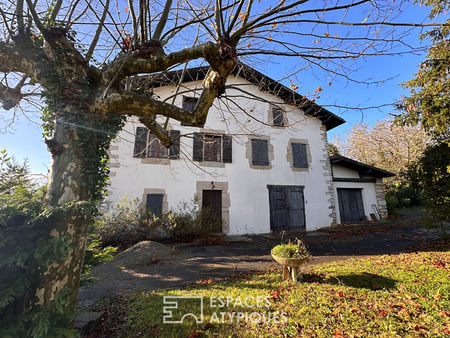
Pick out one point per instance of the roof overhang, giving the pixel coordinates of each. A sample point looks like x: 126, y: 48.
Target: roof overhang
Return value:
x: 260, y: 80
x: 359, y: 166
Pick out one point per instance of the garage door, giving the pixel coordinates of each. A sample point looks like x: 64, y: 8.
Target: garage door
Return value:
x: 287, y: 207
x: 351, y: 207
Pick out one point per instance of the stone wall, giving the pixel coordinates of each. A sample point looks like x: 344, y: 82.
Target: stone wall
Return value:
x: 381, y: 198
x: 328, y: 176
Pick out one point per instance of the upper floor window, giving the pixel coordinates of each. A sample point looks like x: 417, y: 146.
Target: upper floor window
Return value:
x: 147, y: 144
x: 299, y: 155
x: 212, y: 148
x: 278, y: 117
x: 189, y: 104
x: 260, y: 152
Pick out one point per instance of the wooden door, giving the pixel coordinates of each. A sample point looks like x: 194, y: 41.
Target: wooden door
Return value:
x: 351, y: 206
x: 212, y: 200
x: 287, y: 207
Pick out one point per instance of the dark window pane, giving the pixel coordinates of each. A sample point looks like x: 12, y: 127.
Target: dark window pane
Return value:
x: 154, y: 203
x: 299, y: 155
x: 260, y: 152
x: 278, y: 117
x: 212, y: 148
x: 189, y: 104
x: 227, y: 152
x: 174, y: 151
x: 197, y: 154
x: 140, y: 142
x: 155, y: 148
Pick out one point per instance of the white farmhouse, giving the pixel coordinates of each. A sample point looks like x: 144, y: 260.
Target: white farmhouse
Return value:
x: 260, y: 162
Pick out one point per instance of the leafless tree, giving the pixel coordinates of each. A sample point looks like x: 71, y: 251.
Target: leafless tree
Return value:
x: 78, y: 56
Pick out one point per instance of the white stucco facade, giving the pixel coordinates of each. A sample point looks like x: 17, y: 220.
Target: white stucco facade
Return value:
x: 245, y: 197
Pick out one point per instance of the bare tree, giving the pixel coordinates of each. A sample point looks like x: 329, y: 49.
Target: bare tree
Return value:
x: 386, y: 145
x: 81, y: 56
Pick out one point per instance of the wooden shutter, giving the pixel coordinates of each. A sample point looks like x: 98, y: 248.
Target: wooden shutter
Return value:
x: 278, y: 117
x: 197, y: 153
x: 140, y: 142
x: 299, y: 155
x: 260, y: 152
x: 174, y: 150
x: 227, y: 151
x: 154, y: 203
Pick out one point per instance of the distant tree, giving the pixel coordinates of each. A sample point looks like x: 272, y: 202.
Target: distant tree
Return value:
x: 386, y: 145
x: 434, y: 172
x: 429, y: 99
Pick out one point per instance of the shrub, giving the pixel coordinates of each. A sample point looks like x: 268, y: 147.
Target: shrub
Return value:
x: 95, y: 254
x: 124, y: 225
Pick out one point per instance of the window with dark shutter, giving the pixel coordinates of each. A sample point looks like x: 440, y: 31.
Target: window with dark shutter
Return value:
x: 227, y: 151
x: 154, y: 204
x: 174, y: 150
x: 212, y: 148
x: 278, y: 117
x: 299, y: 155
x: 155, y: 148
x: 140, y: 142
x: 260, y: 152
x: 197, y: 153
x: 189, y: 104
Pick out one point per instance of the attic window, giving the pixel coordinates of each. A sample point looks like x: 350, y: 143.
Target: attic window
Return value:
x: 278, y: 117
x: 189, y: 104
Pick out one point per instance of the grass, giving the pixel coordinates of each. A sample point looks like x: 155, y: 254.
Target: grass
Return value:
x: 391, y: 295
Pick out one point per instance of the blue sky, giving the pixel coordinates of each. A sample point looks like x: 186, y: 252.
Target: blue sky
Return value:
x: 24, y: 140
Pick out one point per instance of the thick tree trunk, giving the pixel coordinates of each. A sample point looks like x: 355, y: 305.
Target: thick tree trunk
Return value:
x: 70, y: 187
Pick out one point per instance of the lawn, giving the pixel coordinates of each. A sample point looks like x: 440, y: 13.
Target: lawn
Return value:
x: 390, y: 295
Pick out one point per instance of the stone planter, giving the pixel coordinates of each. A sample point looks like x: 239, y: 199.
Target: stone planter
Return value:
x: 291, y: 267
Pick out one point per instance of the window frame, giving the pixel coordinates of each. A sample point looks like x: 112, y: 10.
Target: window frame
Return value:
x: 171, y: 153
x: 222, y: 143
x: 264, y: 163
x: 281, y: 113
x: 190, y: 108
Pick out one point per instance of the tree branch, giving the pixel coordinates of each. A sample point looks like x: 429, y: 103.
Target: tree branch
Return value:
x: 162, y: 21
x: 94, y: 42
x: 125, y: 102
x: 10, y: 97
x: 133, y: 64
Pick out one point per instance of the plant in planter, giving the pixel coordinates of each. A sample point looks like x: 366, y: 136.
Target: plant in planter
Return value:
x: 291, y: 256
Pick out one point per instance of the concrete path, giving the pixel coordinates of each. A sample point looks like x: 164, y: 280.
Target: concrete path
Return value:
x: 187, y: 264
